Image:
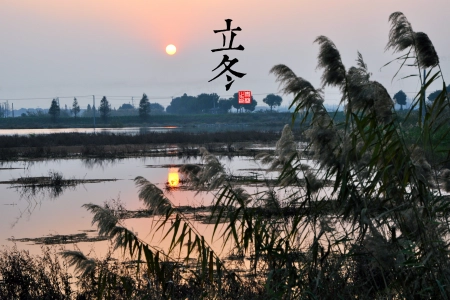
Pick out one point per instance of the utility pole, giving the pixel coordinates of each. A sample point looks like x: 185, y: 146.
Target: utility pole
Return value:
x: 93, y: 107
x: 132, y: 101
x: 423, y: 95
x: 12, y: 109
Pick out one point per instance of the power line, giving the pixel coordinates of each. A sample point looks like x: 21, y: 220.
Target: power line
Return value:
x: 122, y: 98
x: 86, y: 96
x: 47, y: 98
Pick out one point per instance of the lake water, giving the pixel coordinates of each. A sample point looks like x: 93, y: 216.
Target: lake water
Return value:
x: 43, y: 215
x: 140, y: 130
x: 124, y: 130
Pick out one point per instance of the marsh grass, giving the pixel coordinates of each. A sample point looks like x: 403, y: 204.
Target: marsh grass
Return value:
x: 60, y: 239
x: 92, y: 139
x: 24, y: 276
x: 51, y: 186
x: 116, y: 146
x: 232, y: 120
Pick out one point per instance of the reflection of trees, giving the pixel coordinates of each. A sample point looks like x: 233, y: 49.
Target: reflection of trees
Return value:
x: 144, y: 130
x: 51, y: 186
x: 91, y: 163
x: 35, y: 189
x: 21, y: 164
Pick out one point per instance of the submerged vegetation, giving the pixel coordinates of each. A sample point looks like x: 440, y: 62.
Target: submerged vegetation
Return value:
x: 369, y: 220
x: 52, y: 185
x: 68, y: 145
x: 80, y: 139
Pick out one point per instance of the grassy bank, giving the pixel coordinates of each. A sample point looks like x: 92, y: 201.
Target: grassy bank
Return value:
x: 256, y: 119
x: 85, y: 139
x: 65, y: 145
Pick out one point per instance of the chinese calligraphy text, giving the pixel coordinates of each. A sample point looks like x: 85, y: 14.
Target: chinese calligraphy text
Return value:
x: 226, y: 62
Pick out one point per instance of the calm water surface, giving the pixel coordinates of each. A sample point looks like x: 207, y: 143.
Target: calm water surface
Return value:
x: 140, y: 130
x: 42, y: 215
x: 124, y: 130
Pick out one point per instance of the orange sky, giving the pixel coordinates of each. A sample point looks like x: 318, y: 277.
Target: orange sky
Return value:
x: 82, y: 47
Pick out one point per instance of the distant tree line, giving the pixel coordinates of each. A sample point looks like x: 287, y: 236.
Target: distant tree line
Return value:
x: 203, y: 103
x: 126, y: 109
x: 212, y: 103
x: 400, y: 97
x: 104, y: 111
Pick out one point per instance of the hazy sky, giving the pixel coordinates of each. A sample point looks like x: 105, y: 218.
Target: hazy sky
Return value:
x: 54, y: 48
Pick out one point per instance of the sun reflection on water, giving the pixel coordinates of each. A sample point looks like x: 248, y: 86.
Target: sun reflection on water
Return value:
x: 173, y: 178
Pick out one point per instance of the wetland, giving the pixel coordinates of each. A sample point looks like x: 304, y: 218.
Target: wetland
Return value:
x: 355, y: 205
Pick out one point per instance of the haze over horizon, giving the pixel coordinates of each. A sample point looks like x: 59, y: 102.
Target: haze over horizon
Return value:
x: 117, y: 48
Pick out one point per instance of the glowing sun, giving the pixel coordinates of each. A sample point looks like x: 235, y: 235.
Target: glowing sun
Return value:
x: 171, y: 49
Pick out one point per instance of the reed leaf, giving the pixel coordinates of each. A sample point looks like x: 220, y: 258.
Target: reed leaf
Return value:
x: 83, y: 265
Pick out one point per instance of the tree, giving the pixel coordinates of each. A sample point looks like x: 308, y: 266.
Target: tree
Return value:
x: 251, y: 107
x: 156, y: 107
x: 126, y: 106
x: 400, y: 98
x: 235, y: 102
x: 183, y: 105
x: 88, y: 113
x: 205, y: 102
x: 144, y: 108
x: 65, y: 112
x: 54, y: 110
x: 224, y: 105
x: 75, y: 107
x: 272, y: 100
x: 432, y: 96
x: 105, y: 108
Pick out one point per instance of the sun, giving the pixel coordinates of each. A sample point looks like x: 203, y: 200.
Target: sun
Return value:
x: 171, y: 49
